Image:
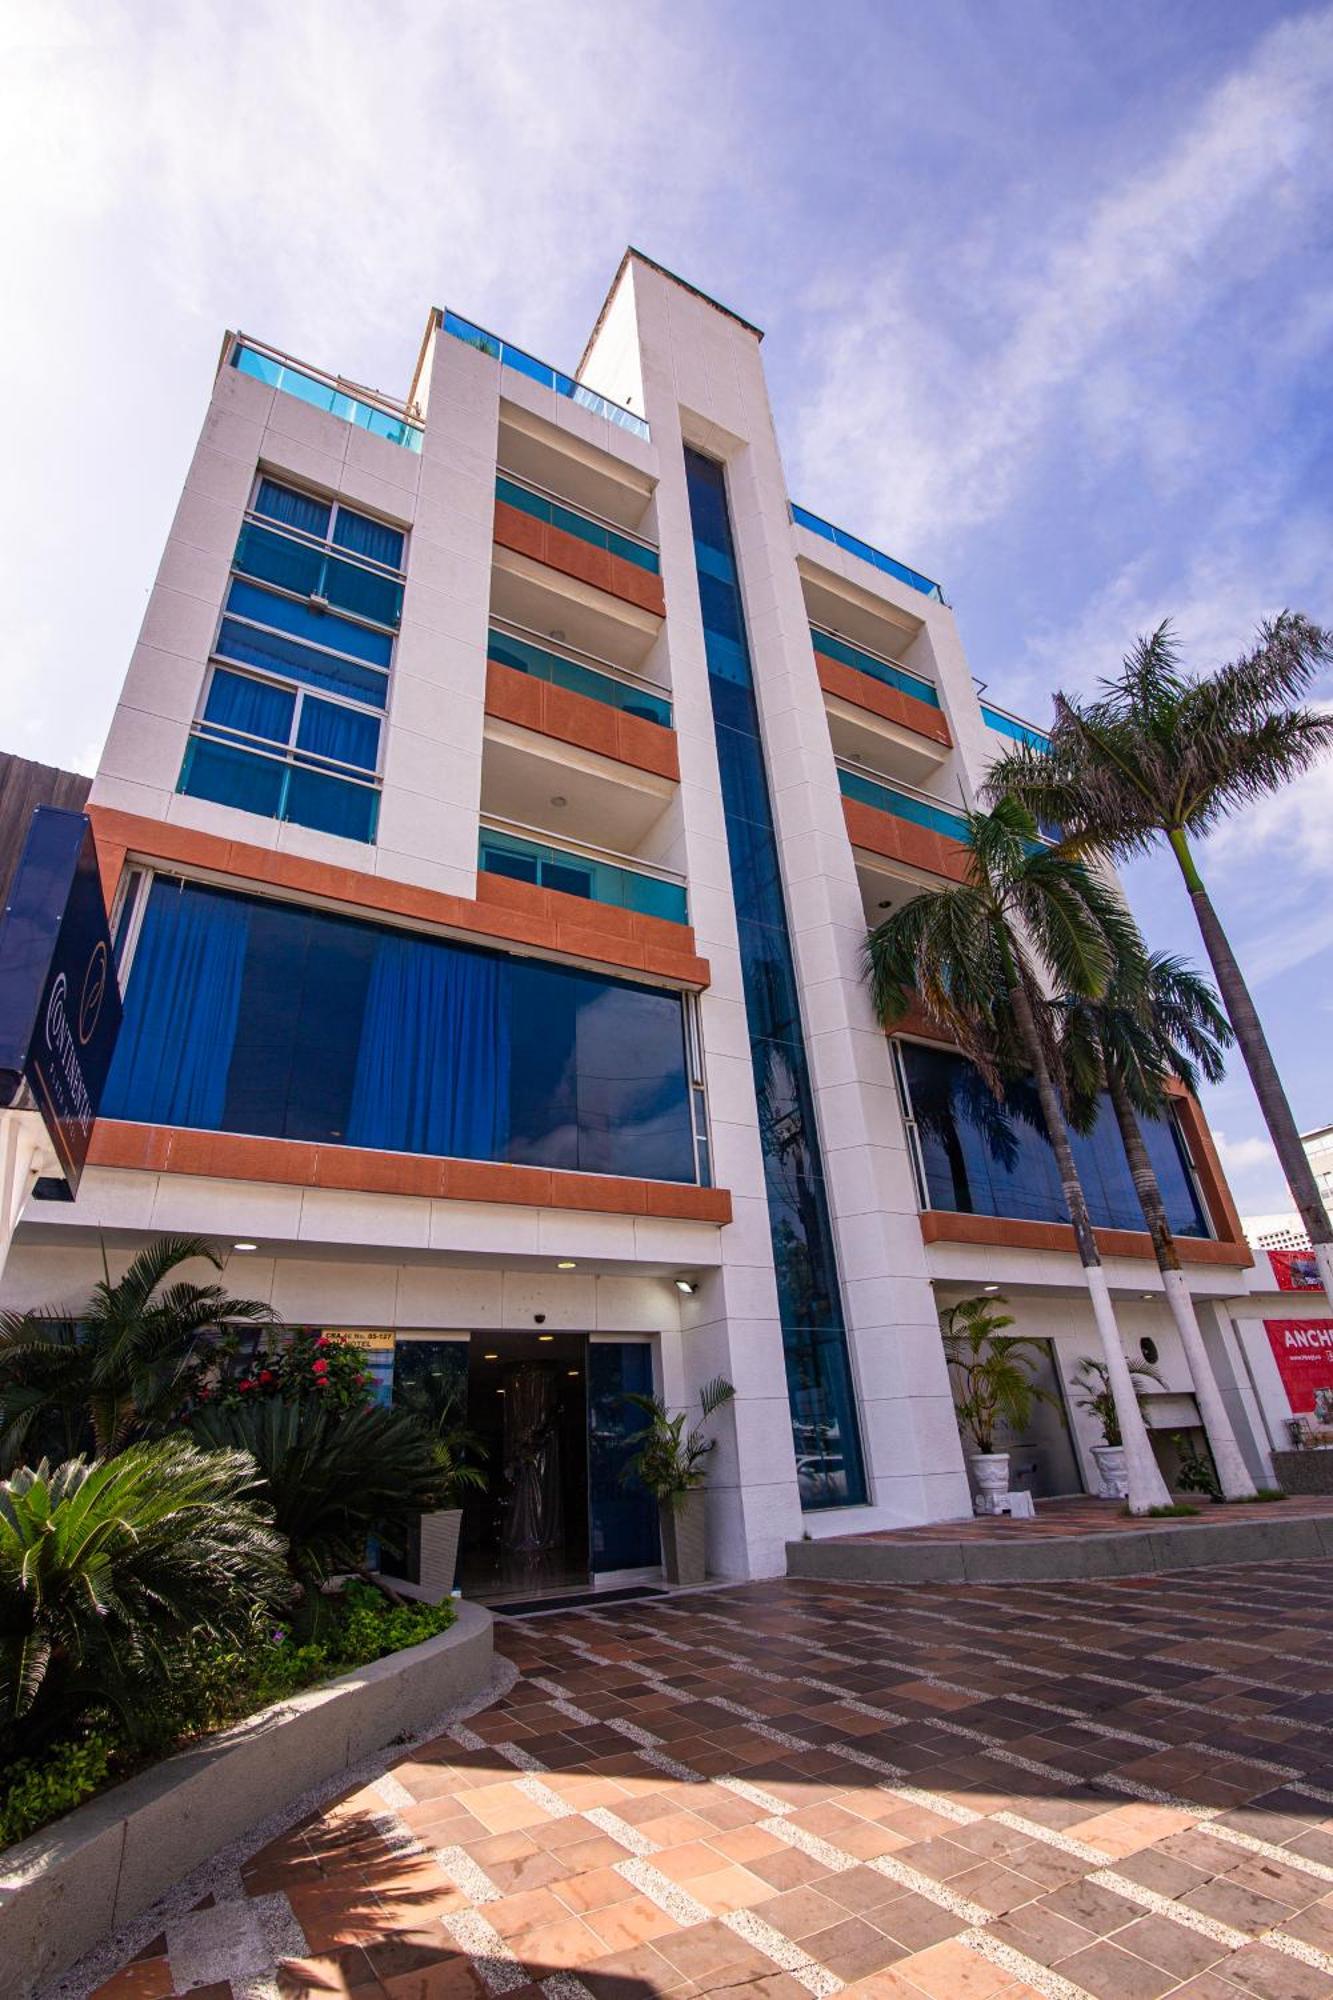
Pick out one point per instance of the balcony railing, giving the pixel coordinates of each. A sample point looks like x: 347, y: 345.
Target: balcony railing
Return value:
x: 325, y: 392
x: 598, y: 534
x: 511, y: 646
x: 855, y: 547
x: 524, y: 855
x: 891, y: 672
x: 1005, y: 724
x: 903, y: 801
x: 540, y: 371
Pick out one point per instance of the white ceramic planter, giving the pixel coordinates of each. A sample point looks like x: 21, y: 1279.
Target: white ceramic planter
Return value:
x: 990, y: 1470
x: 1112, y: 1469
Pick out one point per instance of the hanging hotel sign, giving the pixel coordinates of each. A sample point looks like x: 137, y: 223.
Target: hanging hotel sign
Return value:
x: 59, y: 1000
x: 1295, y: 1271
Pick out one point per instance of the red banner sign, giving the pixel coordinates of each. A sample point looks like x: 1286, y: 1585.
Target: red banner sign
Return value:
x: 1294, y: 1270
x: 1303, y: 1350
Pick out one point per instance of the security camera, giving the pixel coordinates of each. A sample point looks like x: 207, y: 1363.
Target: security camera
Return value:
x: 540, y: 1318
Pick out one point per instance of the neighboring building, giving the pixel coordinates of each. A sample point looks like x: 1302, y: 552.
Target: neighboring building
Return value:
x: 500, y: 791
x: 23, y: 786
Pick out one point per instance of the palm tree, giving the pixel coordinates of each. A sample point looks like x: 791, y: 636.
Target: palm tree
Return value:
x: 94, y: 1379
x: 1157, y: 1019
x: 976, y: 956
x: 1158, y: 756
x: 106, y: 1568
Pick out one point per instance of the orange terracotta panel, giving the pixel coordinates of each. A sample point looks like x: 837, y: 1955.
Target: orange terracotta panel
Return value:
x: 581, y: 943
x: 117, y: 1143
x: 487, y: 1180
x: 662, y: 932
x: 637, y: 586
x: 603, y: 1194
x: 513, y: 696
x: 847, y: 684
x: 233, y: 1156
x: 1007, y: 1232
x: 683, y: 966
x: 648, y: 745
x: 366, y: 1172
x: 689, y: 1204
x: 572, y: 556
x: 576, y: 718
x: 110, y: 862
x: 519, y: 531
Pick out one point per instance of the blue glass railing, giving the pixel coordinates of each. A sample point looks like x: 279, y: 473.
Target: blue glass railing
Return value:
x: 596, y: 533
x: 902, y: 804
x: 526, y: 658
x: 540, y: 371
x: 322, y: 394
x: 1010, y: 725
x: 855, y: 547
x: 887, y: 671
x: 524, y: 860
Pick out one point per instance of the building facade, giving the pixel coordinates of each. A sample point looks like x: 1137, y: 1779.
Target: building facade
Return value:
x: 493, y: 813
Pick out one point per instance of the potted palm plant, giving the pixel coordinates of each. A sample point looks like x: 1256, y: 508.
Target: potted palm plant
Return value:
x: 1093, y: 1393
x: 993, y: 1371
x: 671, y: 1462
x: 437, y: 1531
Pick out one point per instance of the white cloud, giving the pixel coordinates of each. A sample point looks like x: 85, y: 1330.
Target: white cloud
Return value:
x: 933, y: 403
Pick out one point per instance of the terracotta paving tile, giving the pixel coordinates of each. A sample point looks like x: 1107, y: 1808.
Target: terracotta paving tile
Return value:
x: 1178, y: 1951
x: 1270, y: 1975
x: 949, y: 1971
x: 1109, y: 1973
x: 622, y: 1925
x: 145, y: 1979
x: 562, y: 1945
x: 338, y: 1975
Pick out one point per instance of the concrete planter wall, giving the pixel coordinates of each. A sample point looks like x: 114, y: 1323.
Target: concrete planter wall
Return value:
x: 1304, y: 1471
x: 96, y: 1869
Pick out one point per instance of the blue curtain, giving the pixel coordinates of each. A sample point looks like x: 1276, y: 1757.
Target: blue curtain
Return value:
x: 344, y: 734
x: 432, y: 1074
x: 181, y: 1009
x: 365, y: 537
x: 253, y: 707
x: 296, y: 510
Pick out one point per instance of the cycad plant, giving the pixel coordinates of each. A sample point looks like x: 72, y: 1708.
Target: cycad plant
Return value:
x: 332, y: 1478
x: 1157, y: 1020
x: 978, y: 957
x: 993, y: 1369
x: 94, y: 1379
x: 1157, y: 756
x: 105, y: 1568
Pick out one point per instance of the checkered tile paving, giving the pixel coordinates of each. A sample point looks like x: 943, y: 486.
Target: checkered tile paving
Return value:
x: 1119, y: 1789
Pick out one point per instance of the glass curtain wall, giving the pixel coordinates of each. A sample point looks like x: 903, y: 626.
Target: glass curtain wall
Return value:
x: 819, y: 1378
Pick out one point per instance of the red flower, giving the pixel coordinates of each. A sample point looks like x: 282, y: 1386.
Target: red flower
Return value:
x: 247, y: 1384
x: 320, y: 1368
x: 266, y: 1374
x: 323, y: 1340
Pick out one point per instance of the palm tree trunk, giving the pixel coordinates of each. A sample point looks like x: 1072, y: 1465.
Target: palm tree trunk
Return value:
x: 1253, y: 1044
x: 1147, y: 1488
x: 1231, y: 1468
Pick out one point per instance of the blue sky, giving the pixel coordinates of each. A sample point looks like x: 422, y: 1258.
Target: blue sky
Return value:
x: 1048, y: 294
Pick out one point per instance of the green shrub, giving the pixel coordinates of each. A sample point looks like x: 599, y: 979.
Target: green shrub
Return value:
x: 38, y: 1790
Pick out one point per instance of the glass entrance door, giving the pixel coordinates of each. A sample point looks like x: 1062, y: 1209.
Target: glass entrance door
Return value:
x: 527, y: 1404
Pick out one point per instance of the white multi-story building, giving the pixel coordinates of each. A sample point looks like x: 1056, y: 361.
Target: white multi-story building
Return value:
x: 499, y: 793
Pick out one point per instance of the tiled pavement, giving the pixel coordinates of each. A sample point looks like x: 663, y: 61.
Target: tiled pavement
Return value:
x: 1119, y: 1789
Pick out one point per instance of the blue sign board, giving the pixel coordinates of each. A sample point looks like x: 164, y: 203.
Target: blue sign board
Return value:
x: 59, y: 999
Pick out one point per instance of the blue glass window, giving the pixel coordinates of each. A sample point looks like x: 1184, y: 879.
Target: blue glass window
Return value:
x: 622, y: 1516
x: 247, y: 1015
x: 985, y: 1158
x: 576, y: 875
x: 825, y: 1430
x: 293, y: 509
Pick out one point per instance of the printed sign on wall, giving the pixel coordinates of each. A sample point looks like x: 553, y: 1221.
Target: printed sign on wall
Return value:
x: 1294, y: 1270
x: 1303, y: 1350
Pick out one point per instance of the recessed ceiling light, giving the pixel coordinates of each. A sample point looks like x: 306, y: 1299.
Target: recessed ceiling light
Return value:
x: 245, y: 1246
x: 490, y: 1357
x: 545, y: 1336
x: 559, y: 799
x: 990, y: 1288
x: 556, y: 632
x: 1147, y: 1295
x: 566, y: 1264
x: 687, y: 1286
x: 574, y: 1373
x: 884, y: 906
